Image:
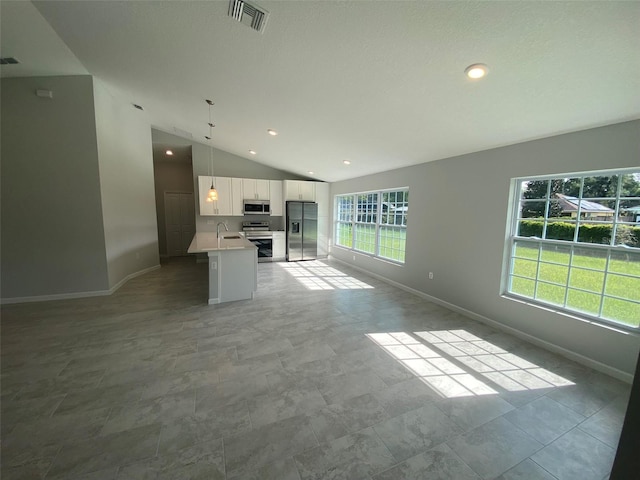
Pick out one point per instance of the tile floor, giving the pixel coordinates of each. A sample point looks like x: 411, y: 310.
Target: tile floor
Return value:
x: 328, y: 373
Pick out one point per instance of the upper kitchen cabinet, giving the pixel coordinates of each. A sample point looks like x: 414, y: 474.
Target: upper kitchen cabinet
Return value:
x: 256, y: 189
x: 300, y: 190
x: 222, y: 206
x: 237, y: 197
x: 275, y: 190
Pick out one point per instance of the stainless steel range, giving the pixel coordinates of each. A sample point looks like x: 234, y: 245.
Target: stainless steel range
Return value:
x: 260, y: 235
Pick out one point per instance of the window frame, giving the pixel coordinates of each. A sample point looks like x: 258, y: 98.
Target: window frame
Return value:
x: 611, y: 250
x: 339, y: 222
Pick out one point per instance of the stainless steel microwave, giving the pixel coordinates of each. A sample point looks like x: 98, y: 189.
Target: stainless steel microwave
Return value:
x: 257, y: 207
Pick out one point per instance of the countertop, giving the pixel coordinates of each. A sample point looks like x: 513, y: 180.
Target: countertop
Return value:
x: 208, y: 242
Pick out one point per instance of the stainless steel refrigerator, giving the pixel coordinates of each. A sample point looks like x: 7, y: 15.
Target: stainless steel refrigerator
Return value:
x: 302, y: 231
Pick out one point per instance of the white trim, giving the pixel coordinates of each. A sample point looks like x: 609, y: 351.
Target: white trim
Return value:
x: 68, y: 296
x: 571, y: 355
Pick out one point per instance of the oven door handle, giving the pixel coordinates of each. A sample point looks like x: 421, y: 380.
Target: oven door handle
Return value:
x: 259, y: 238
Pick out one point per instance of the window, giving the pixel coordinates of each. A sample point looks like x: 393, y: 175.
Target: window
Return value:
x: 575, y: 244
x: 373, y: 222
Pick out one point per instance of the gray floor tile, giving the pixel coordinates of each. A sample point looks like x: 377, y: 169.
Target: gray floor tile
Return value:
x: 338, y: 388
x: 605, y: 425
x: 576, y: 455
x: 478, y: 448
x: 353, y: 457
x: 100, y: 453
x: 527, y: 470
x: 249, y: 451
x: 471, y: 412
x: 205, y: 460
x: 584, y: 398
x: 291, y: 384
x: 437, y: 464
x: 270, y: 408
x: 161, y: 409
x: 544, y: 419
x: 357, y: 413
x: 279, y: 470
x: 416, y: 431
x: 204, y: 427
x: 405, y: 396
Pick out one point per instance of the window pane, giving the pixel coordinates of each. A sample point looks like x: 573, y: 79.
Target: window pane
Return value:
x: 550, y: 293
x: 344, y: 235
x: 522, y: 286
x: 365, y: 238
x: 392, y: 243
x: 367, y: 208
x: 623, y: 286
x: 627, y: 262
x: 621, y: 310
x: 526, y: 250
x: 592, y: 214
x: 584, y: 302
x: 600, y: 187
x: 533, y: 209
x: 556, y: 254
x: 534, y: 189
x: 553, y: 273
x: 561, y: 229
x: 589, y: 258
x: 525, y: 268
x: 587, y: 280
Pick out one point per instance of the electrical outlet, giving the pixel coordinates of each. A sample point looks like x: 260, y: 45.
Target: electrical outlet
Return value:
x: 354, y: 258
x: 430, y: 275
x: 214, y: 265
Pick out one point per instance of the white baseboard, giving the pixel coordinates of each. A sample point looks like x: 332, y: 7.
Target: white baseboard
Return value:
x: 69, y: 296
x: 130, y: 276
x: 552, y: 347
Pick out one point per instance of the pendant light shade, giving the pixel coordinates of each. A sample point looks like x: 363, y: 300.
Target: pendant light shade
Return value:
x: 213, y: 193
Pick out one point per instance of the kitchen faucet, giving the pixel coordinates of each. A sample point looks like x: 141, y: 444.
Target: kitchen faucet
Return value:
x: 218, y: 228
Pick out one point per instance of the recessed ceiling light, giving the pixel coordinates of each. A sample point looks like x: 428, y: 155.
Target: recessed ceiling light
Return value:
x: 252, y: 152
x: 272, y: 132
x: 476, y: 71
x: 310, y: 172
x: 169, y: 152
x: 346, y: 162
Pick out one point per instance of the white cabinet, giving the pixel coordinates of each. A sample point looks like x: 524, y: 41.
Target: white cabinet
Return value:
x: 300, y: 190
x: 237, y: 205
x: 222, y: 206
x: 275, y: 192
x: 279, y: 246
x: 253, y: 188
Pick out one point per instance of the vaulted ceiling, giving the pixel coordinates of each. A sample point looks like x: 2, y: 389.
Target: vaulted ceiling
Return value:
x: 381, y: 84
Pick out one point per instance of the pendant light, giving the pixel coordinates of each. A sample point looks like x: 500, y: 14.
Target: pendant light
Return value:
x: 213, y: 193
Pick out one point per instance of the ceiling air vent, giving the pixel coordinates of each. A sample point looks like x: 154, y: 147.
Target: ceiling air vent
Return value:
x: 249, y: 14
x: 8, y: 61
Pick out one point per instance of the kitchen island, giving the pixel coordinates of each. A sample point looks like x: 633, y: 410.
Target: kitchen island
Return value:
x: 233, y: 265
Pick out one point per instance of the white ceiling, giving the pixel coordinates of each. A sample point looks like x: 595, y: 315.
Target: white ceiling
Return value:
x: 378, y: 83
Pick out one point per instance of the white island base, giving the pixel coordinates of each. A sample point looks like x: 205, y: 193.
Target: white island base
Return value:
x: 233, y: 266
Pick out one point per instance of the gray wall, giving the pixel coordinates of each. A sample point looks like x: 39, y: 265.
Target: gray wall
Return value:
x: 457, y: 229
x: 225, y: 164
x: 169, y: 177
x: 126, y: 182
x: 52, y: 232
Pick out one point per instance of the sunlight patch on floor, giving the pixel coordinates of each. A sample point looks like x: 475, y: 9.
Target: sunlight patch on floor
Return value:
x: 316, y: 275
x: 456, y: 363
